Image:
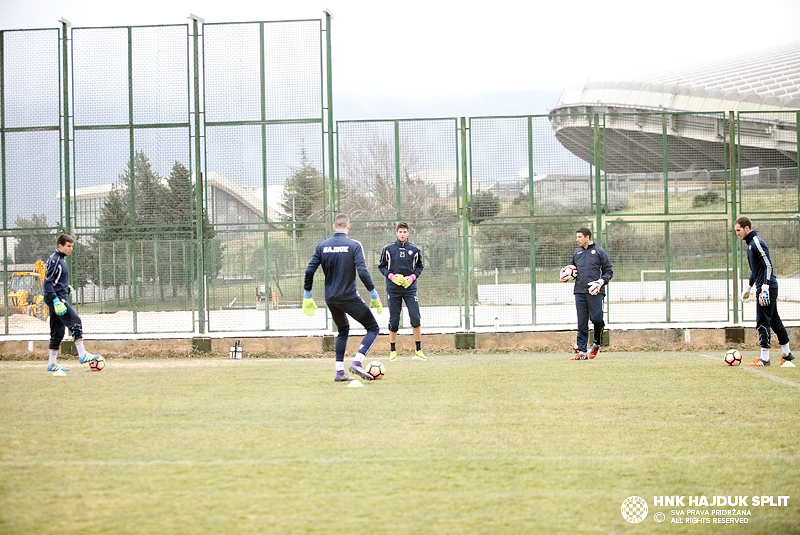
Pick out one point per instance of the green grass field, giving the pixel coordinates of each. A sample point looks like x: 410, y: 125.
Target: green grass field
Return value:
x: 494, y: 443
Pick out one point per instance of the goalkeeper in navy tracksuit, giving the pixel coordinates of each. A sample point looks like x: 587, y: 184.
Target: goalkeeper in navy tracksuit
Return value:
x: 401, y: 264
x: 341, y: 259
x: 762, y: 275
x: 62, y: 315
x: 594, y: 272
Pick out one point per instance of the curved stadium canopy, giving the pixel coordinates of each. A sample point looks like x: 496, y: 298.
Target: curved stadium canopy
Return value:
x: 696, y: 100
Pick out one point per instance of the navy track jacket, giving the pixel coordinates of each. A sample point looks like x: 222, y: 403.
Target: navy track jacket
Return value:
x: 761, y: 271
x: 592, y: 263
x: 403, y: 259
x: 56, y: 278
x: 341, y: 258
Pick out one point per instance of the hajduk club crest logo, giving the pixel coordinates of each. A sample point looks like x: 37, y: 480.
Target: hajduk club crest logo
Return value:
x: 634, y: 509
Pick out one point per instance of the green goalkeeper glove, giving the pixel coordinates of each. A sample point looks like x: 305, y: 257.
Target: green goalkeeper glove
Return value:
x: 309, y: 306
x: 375, y: 301
x: 398, y: 279
x: 408, y: 281
x: 59, y: 307
x: 71, y: 293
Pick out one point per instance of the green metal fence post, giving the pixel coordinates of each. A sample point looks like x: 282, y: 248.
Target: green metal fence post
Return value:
x: 199, y: 190
x: 397, y: 201
x: 264, y: 182
x: 65, y: 97
x: 3, y: 167
x: 331, y: 162
x: 735, y: 245
x: 465, y: 222
x: 665, y: 161
x: 597, y: 180
x: 132, y: 148
x: 331, y: 156
x: 667, y: 275
x: 531, y: 212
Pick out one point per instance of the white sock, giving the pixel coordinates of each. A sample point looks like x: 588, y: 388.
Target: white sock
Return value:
x: 765, y: 354
x: 339, y: 366
x: 81, y: 350
x: 358, y: 359
x: 52, y: 357
x: 786, y: 349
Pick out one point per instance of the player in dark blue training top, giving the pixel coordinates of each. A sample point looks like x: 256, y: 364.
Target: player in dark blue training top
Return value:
x: 401, y: 264
x: 62, y: 315
x: 762, y: 275
x: 341, y: 258
x: 594, y: 272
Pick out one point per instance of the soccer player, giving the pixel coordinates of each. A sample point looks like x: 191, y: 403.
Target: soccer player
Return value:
x: 762, y: 275
x: 62, y: 315
x: 594, y: 272
x: 341, y: 259
x: 401, y: 264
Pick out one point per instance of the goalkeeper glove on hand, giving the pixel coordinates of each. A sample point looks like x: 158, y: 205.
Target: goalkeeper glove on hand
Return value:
x: 763, y: 298
x: 375, y: 301
x: 59, y: 307
x: 309, y: 306
x: 745, y: 294
x: 397, y: 279
x: 409, y: 280
x: 71, y: 292
x: 594, y: 286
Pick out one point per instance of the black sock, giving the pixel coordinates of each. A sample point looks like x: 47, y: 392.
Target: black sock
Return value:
x: 419, y: 345
x: 393, y: 347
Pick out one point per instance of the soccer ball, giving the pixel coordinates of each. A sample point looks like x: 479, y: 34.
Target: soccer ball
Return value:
x: 568, y: 273
x: 97, y: 365
x: 733, y: 357
x: 375, y: 369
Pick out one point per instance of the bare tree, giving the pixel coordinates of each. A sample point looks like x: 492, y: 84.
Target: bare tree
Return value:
x: 368, y: 178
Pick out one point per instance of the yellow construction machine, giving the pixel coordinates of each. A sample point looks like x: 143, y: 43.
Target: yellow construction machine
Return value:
x: 26, y: 293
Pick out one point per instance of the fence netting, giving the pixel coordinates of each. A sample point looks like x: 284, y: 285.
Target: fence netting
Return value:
x: 197, y: 167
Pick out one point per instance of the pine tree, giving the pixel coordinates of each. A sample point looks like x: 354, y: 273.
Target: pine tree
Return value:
x: 303, y: 198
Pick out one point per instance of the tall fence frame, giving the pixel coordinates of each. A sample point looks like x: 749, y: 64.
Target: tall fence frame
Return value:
x: 218, y: 144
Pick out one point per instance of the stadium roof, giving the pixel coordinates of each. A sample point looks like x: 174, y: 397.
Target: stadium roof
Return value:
x: 765, y: 81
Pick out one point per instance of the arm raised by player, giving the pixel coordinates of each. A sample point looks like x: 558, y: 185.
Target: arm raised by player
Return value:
x: 313, y: 264
x: 361, y: 267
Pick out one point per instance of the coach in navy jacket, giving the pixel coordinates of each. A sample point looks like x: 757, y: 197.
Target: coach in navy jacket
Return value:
x: 594, y: 273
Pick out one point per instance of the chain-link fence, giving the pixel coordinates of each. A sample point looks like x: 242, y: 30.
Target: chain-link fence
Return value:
x: 197, y: 168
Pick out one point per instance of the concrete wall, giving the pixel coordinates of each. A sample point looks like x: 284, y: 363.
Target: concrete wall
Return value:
x: 668, y: 339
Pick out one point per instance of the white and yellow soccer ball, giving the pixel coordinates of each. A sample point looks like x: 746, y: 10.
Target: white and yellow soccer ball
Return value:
x: 97, y: 365
x: 568, y: 273
x: 733, y: 357
x: 375, y: 369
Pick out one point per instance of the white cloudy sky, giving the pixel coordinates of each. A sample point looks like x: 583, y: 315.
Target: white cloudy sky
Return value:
x: 435, y: 57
